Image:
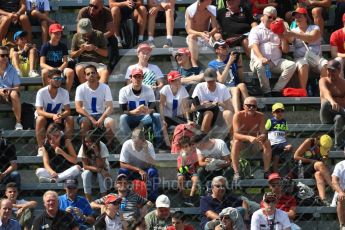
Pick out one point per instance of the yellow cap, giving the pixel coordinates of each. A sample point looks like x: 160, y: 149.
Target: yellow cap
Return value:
x: 326, y: 144
x: 277, y: 106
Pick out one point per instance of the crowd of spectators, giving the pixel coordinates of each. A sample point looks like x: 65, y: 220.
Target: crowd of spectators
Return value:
x: 203, y: 99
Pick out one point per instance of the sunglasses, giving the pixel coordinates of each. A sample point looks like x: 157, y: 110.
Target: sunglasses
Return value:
x: 279, y: 111
x: 179, y: 55
x: 251, y: 106
x: 93, y: 6
x: 219, y: 186
x: 137, y: 76
x: 57, y: 78
x: 90, y: 73
x: 222, y: 47
x: 271, y: 17
x: 4, y: 55
x: 270, y: 201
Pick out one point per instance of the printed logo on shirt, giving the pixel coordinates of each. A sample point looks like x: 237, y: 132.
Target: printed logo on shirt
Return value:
x: 54, y: 56
x: 149, y: 78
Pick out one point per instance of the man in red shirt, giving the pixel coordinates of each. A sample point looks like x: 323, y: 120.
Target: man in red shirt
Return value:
x: 337, y: 42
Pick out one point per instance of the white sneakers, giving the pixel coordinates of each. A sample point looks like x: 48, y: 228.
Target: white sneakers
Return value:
x: 33, y: 73
x: 18, y: 126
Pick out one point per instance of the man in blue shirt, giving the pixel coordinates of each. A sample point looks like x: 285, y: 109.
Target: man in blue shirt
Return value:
x: 78, y: 206
x: 9, y: 86
x: 5, y: 216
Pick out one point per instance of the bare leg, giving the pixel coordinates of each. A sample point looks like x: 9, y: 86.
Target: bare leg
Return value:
x: 206, y: 122
x: 318, y: 19
x: 40, y: 130
x: 267, y: 155
x: 303, y: 73
x: 152, y: 21
x: 341, y: 211
x: 16, y: 106
x: 235, y: 154
x: 194, y: 185
x: 116, y: 13
x: 79, y: 69
x: 4, y: 25
x: 236, y: 98
x: 180, y: 181
x: 69, y: 127
x: 24, y: 21
x: 141, y: 16
x: 194, y: 49
x: 170, y: 18
x: 69, y: 74
x: 32, y: 58
x: 104, y: 76
x: 44, y: 73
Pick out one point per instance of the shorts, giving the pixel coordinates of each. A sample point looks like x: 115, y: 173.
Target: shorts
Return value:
x: 33, y: 20
x: 315, y: 69
x: 50, y: 121
x: 99, y: 66
x: 80, y: 119
x: 126, y: 13
x: 202, y: 43
x: 5, y: 100
x: 186, y: 175
x: 174, y: 121
x: 249, y: 149
x: 278, y: 149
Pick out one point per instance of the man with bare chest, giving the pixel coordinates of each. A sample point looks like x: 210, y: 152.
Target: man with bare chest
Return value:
x: 249, y: 132
x: 199, y: 16
x: 332, y: 97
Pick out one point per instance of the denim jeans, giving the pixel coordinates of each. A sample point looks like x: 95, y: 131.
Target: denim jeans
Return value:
x: 127, y: 123
x: 12, y: 177
x: 152, y: 180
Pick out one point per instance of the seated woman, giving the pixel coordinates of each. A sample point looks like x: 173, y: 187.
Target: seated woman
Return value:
x: 94, y: 154
x: 304, y: 36
x: 173, y: 104
x: 313, y: 152
x: 59, y: 157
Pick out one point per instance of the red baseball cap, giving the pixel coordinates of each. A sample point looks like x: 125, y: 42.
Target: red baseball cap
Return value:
x: 55, y: 28
x: 173, y: 75
x: 273, y: 176
x: 113, y: 199
x: 300, y: 10
x: 144, y: 46
x: 137, y: 71
x: 277, y: 27
x: 182, y: 51
x: 344, y: 17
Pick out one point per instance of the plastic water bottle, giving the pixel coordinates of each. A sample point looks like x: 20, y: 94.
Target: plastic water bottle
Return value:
x: 268, y: 71
x: 300, y: 170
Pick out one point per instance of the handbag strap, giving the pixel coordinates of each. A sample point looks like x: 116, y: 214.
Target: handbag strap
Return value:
x: 306, y: 46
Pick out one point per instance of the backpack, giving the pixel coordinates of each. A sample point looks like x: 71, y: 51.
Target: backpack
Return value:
x: 6, y: 146
x: 245, y: 169
x: 306, y: 195
x: 180, y: 131
x: 28, y: 116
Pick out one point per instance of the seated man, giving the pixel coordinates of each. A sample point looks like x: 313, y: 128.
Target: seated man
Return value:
x: 122, y: 10
x: 266, y: 55
x: 13, y: 14
x: 53, y: 106
x: 10, y: 86
x: 338, y: 177
x: 159, y: 218
x: 168, y: 6
x: 133, y: 205
x: 137, y: 102
x: 250, y: 134
x: 229, y: 219
x: 76, y: 205
x: 190, y: 75
x: 8, y: 164
x: 234, y: 21
x: 153, y: 75
x: 230, y: 72
x: 24, y: 55
x: 5, y: 216
x: 94, y: 103
x: 212, y: 205
x: 209, y: 150
x: 337, y: 41
x: 111, y: 218
x: 269, y: 217
x: 90, y: 47
x: 137, y: 160
x: 212, y: 100
x: 198, y: 16
x: 333, y: 102
x: 22, y: 209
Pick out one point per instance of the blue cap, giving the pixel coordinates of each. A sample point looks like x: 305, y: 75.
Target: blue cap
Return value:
x: 19, y: 33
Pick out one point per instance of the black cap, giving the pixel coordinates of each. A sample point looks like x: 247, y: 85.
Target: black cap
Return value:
x: 71, y: 183
x: 334, y: 65
x: 210, y: 74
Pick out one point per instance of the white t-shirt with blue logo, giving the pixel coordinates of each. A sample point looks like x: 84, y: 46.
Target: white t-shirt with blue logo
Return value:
x: 151, y: 73
x: 49, y: 104
x: 173, y: 103
x: 41, y: 5
x: 126, y: 96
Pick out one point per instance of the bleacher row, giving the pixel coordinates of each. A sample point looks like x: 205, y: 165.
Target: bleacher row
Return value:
x: 321, y: 217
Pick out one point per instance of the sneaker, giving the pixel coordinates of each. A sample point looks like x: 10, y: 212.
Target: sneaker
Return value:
x: 325, y: 202
x: 188, y: 202
x: 151, y: 44
x: 119, y: 45
x: 236, y: 179
x: 18, y: 126
x: 266, y: 174
x: 33, y: 73
x: 42, y: 179
x: 39, y: 152
x: 140, y: 41
x: 168, y: 44
x: 342, y: 227
x: 20, y: 74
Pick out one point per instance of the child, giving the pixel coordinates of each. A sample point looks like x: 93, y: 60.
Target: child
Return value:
x: 178, y: 222
x: 24, y: 55
x: 277, y: 127
x: 54, y: 56
x: 187, y: 162
x: 38, y: 11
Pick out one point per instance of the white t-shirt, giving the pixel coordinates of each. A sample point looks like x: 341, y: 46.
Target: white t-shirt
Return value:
x: 49, y: 104
x: 260, y: 221
x: 300, y: 49
x: 173, y: 103
x: 339, y: 171
x: 41, y: 5
x: 126, y: 96
x: 103, y: 151
x: 114, y: 224
x: 93, y: 100
x: 136, y: 158
x: 151, y: 73
x: 218, y: 151
x: 221, y: 93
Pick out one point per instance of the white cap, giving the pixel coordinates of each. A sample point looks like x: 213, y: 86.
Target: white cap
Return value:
x: 162, y: 202
x: 270, y: 10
